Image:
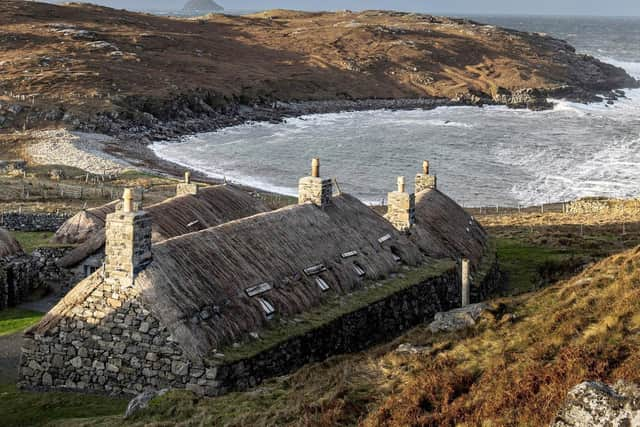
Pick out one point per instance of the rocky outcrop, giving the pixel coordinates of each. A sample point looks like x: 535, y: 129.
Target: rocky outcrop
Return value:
x: 458, y: 319
x: 593, y: 404
x: 202, y: 6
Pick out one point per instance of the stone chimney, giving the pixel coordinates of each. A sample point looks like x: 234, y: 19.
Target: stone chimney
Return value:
x: 401, y: 211
x: 424, y: 181
x: 187, y: 187
x: 128, y: 243
x: 315, y: 189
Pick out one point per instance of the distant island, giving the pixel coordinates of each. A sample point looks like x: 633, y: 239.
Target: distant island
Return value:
x: 202, y: 6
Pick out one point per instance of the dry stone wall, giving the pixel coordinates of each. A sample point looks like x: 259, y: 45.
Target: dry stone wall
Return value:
x: 110, y: 343
x: 107, y: 344
x: 17, y: 221
x: 23, y: 275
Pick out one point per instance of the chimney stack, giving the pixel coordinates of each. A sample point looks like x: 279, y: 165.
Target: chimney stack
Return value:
x: 424, y: 181
x: 315, y: 189
x: 128, y: 242
x: 187, y: 187
x: 401, y: 207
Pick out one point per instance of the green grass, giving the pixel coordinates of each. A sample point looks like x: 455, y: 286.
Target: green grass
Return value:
x: 13, y: 320
x: 31, y: 240
x: 529, y: 267
x: 21, y: 408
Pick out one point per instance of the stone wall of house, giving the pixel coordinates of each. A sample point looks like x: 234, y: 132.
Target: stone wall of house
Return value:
x: 23, y: 275
x: 19, y: 278
x: 18, y: 221
x: 108, y: 344
x: 50, y: 274
x: 111, y: 344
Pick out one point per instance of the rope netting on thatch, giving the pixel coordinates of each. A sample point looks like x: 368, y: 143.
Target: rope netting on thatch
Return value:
x: 8, y: 244
x: 445, y: 230
x: 83, y: 225
x: 210, y: 271
x: 181, y: 215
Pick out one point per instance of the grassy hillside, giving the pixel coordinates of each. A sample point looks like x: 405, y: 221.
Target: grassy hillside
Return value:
x: 580, y: 319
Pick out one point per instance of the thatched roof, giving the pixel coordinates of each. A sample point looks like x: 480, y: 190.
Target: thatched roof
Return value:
x: 180, y: 215
x: 9, y: 246
x: 83, y: 225
x: 210, y: 207
x: 210, y: 271
x: 209, y: 287
x: 445, y: 230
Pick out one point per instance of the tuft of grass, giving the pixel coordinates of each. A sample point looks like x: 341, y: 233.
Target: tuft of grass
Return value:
x: 21, y: 408
x: 14, y: 320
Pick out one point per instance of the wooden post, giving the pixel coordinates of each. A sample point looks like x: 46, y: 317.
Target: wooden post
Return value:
x: 466, y: 283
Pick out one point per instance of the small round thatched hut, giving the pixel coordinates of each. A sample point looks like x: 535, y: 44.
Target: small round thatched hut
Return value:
x: 80, y: 227
x: 9, y: 246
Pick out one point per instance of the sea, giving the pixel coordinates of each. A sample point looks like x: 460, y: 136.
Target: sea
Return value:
x: 491, y: 156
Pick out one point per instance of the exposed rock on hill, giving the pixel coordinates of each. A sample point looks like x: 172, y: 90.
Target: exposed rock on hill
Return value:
x: 202, y: 6
x: 593, y: 404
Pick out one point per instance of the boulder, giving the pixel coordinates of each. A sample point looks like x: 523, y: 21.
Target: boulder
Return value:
x: 142, y: 401
x: 593, y: 404
x: 457, y: 319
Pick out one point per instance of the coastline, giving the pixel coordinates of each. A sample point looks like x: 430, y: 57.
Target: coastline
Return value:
x: 135, y: 147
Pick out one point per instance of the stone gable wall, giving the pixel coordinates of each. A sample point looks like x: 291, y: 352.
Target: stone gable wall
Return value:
x: 108, y: 344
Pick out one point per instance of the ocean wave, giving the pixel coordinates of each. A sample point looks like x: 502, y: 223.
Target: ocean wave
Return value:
x: 633, y: 68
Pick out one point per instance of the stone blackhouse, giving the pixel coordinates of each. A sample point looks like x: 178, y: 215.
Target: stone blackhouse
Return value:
x: 172, y: 311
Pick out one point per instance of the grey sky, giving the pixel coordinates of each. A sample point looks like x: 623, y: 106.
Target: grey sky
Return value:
x: 565, y: 7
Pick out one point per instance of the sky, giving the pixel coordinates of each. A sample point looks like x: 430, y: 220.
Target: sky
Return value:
x: 458, y: 7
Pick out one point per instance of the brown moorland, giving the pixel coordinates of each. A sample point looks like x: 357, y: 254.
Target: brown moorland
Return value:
x: 68, y: 63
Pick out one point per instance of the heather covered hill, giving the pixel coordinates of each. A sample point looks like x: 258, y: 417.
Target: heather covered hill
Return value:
x: 81, y: 63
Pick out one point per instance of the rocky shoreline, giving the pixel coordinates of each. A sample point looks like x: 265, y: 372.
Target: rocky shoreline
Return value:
x: 192, y: 113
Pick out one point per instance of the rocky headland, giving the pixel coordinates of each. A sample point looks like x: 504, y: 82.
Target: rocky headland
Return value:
x: 139, y: 77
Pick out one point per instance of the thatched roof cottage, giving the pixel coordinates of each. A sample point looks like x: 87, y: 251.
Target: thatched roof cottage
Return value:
x: 326, y: 275
x: 192, y: 209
